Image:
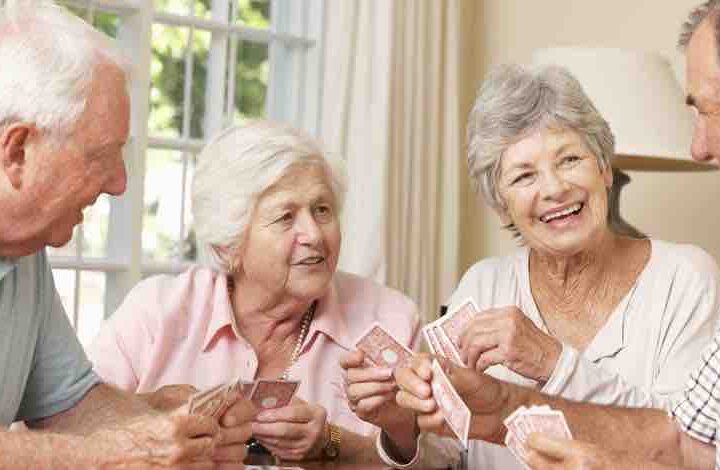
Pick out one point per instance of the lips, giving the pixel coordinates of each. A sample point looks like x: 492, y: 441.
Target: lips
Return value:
x: 310, y: 261
x: 573, y: 209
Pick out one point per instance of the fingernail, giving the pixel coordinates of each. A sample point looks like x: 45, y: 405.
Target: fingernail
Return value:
x: 387, y: 372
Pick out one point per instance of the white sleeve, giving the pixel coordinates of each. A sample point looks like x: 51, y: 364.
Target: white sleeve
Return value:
x: 433, y: 452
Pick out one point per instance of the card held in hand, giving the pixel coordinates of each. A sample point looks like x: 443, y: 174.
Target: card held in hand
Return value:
x: 381, y: 348
x: 452, y: 406
x: 268, y: 394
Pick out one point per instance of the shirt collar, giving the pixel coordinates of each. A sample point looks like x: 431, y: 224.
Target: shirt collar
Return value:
x: 330, y: 319
x: 221, y: 317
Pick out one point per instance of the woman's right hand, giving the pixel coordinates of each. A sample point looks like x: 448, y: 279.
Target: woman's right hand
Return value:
x: 371, y: 394
x: 507, y: 336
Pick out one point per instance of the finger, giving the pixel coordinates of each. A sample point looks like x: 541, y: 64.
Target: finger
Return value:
x: 433, y: 422
x: 240, y: 412
x: 413, y: 403
x: 285, y: 431
x: 352, y: 360
x: 362, y: 391
x: 236, y: 434
x: 368, y: 374
x: 554, y: 448
x: 369, y: 405
x: 490, y: 358
x: 301, y: 413
x: 408, y: 380
x: 478, y: 345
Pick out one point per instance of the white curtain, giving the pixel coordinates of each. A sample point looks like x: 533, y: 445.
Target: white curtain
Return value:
x: 391, y: 108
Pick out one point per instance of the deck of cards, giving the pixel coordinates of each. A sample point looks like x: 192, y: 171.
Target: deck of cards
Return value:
x: 381, y: 348
x: 525, y: 421
x: 443, y: 335
x: 264, y: 394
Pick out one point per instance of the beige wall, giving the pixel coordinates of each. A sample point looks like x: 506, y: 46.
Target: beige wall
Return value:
x: 677, y: 207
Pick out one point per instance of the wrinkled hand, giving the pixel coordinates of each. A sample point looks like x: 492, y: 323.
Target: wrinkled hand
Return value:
x: 169, y: 397
x: 548, y: 453
x: 175, y: 441
x: 506, y: 336
x: 371, y: 393
x: 293, y: 432
x: 235, y: 430
x: 488, y: 398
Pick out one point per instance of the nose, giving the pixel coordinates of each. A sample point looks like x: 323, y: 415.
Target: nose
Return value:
x: 117, y: 184
x: 552, y: 185
x: 699, y: 148
x: 307, y: 229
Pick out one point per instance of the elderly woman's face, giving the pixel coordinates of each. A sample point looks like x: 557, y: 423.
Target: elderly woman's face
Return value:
x: 293, y: 240
x: 555, y: 191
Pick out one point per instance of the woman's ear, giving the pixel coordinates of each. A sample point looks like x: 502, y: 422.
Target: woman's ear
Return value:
x: 504, y: 215
x: 608, y: 176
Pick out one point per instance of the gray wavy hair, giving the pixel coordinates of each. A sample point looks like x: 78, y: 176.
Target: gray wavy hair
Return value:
x: 236, y: 168
x: 711, y: 8
x: 513, y: 102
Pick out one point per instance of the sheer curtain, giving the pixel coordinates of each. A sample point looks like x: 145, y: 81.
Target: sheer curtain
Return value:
x: 393, y: 87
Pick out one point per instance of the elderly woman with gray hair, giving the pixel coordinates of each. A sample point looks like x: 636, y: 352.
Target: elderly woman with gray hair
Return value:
x: 578, y: 311
x: 266, y: 204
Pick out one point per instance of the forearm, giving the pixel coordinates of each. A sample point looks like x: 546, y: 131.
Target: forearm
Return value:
x: 356, y: 448
x: 36, y: 450
x: 648, y: 433
x: 102, y: 407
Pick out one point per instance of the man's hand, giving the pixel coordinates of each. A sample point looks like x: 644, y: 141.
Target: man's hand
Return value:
x: 157, y: 441
x: 371, y: 395
x: 548, y: 453
x: 169, y: 397
x: 235, y: 430
x: 489, y: 400
x: 293, y: 432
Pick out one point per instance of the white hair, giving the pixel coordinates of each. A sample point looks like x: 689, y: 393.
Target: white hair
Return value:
x: 236, y: 168
x: 48, y: 57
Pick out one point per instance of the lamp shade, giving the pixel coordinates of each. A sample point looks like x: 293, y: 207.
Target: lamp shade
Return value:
x: 639, y: 96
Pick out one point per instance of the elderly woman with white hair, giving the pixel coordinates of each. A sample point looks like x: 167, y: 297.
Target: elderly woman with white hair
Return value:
x: 266, y: 204
x: 578, y: 311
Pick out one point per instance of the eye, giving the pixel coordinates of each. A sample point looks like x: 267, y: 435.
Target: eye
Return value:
x: 285, y: 218
x: 323, y: 211
x: 522, y: 178
x: 569, y: 160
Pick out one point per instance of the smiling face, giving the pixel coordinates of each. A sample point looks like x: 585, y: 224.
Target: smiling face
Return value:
x: 555, y: 192
x: 703, y: 86
x: 293, y: 240
x: 68, y: 176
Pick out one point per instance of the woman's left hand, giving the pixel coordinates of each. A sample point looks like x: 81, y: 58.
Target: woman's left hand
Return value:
x: 293, y: 432
x: 506, y: 336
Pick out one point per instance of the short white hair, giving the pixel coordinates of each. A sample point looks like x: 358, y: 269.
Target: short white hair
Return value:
x: 48, y: 57
x: 236, y: 168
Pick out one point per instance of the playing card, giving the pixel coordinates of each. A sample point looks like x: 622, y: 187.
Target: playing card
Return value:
x: 453, y: 408
x: 268, y: 394
x: 431, y: 340
x: 454, y: 322
x: 213, y: 402
x: 381, y: 348
x: 516, y: 447
x: 551, y: 422
x: 524, y: 421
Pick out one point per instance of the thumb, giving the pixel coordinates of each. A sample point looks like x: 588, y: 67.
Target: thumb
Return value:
x: 549, y: 446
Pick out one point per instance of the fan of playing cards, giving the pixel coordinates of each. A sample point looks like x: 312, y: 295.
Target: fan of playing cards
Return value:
x: 264, y: 394
x: 443, y: 335
x: 525, y: 421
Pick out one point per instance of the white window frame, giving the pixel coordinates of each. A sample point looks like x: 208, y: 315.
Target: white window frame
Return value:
x: 295, y: 23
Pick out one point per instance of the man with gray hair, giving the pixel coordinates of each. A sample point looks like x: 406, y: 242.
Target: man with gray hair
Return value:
x: 685, y: 437
x: 64, y: 119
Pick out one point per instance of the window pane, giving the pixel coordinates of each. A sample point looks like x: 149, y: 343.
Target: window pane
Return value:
x: 163, y: 202
x: 95, y: 228
x: 92, y: 306
x: 106, y: 22
x: 189, y: 248
x: 251, y: 77
x: 167, y: 71
x: 254, y: 13
x: 201, y: 46
x: 65, y: 285
x: 200, y: 8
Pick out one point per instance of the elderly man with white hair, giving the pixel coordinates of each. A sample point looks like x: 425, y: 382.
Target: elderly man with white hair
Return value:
x: 64, y: 118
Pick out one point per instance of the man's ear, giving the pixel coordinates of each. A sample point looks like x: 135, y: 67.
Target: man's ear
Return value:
x: 13, y: 145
